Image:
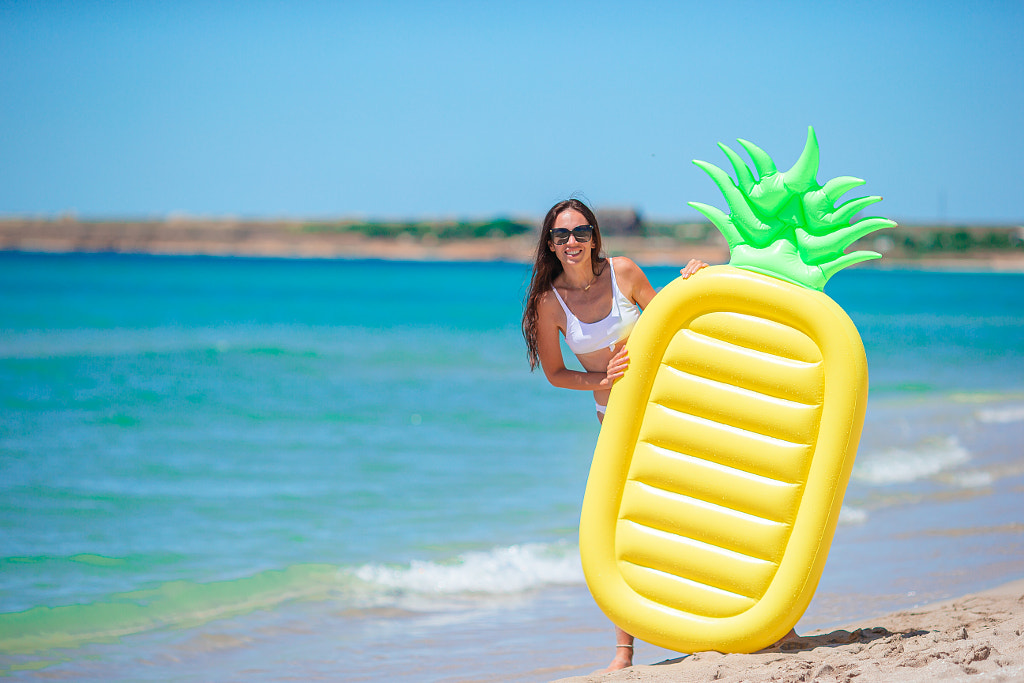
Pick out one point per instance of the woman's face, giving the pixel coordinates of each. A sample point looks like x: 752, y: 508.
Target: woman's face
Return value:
x: 572, y: 252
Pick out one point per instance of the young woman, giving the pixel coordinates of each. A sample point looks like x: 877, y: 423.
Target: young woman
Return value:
x: 593, y: 302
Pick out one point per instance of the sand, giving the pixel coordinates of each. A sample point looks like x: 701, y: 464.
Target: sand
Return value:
x: 978, y: 637
x: 286, y: 239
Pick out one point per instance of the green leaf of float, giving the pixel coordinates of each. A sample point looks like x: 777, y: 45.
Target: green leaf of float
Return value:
x: 848, y: 209
x: 785, y: 224
x: 762, y: 162
x: 721, y: 221
x: 801, y: 177
x: 792, y: 214
x: 816, y: 249
x: 833, y: 267
x: 819, y: 204
x: 821, y: 216
x: 779, y: 260
x: 750, y: 226
x: 837, y: 187
x: 744, y: 176
x: 769, y: 193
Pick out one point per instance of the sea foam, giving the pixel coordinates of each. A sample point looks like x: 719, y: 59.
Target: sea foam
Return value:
x: 513, y: 569
x: 900, y: 466
x: 1001, y: 415
x: 852, y: 515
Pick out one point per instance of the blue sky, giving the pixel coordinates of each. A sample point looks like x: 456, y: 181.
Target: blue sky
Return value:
x: 478, y: 109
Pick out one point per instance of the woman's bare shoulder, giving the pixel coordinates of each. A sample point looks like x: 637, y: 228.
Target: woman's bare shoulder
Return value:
x: 633, y: 281
x: 547, y: 305
x: 625, y: 267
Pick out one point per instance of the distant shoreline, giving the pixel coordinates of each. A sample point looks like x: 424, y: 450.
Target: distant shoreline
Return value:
x: 289, y: 240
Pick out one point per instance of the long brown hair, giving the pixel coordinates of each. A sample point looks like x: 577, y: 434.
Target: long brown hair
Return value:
x: 546, y: 267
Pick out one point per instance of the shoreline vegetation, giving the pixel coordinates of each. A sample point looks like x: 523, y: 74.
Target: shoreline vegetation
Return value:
x: 954, y: 247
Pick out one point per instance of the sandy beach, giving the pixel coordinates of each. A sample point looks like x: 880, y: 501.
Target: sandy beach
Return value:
x: 977, y: 637
x: 286, y: 239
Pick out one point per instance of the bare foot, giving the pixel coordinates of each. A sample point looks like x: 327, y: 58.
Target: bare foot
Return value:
x: 623, y: 660
x: 623, y: 651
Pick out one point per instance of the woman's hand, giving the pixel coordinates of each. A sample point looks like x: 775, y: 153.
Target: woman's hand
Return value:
x: 692, y: 267
x: 617, y: 365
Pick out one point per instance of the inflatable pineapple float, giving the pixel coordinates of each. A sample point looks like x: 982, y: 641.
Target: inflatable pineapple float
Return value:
x: 724, y: 456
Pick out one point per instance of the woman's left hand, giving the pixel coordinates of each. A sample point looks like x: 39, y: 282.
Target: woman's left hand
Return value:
x: 692, y: 267
x: 617, y: 366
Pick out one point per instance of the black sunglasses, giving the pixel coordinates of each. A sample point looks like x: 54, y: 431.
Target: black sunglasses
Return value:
x: 582, y: 233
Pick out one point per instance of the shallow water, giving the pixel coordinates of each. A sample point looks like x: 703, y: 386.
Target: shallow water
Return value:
x: 258, y: 469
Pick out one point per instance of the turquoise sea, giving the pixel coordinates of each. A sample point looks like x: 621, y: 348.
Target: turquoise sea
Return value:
x: 229, y: 469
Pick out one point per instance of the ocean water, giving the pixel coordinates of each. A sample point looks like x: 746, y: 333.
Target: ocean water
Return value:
x: 259, y: 470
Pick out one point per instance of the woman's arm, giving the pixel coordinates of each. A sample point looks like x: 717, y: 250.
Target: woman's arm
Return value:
x: 634, y: 283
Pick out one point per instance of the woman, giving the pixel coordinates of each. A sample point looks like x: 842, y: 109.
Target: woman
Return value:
x: 594, y: 302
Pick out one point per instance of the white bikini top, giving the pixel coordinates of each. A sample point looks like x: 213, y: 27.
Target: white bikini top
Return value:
x: 589, y: 337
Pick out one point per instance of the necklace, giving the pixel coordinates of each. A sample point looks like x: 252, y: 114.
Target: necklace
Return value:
x: 587, y: 287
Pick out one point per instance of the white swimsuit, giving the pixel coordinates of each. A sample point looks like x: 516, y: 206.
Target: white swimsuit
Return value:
x: 589, y: 337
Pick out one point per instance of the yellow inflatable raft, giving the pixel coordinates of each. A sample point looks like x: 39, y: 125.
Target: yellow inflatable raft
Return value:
x: 725, y: 452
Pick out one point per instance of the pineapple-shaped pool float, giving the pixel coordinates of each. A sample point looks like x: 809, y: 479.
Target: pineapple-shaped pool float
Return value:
x: 725, y: 453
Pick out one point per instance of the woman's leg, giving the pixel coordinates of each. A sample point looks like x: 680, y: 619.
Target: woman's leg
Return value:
x: 623, y: 651
x: 623, y: 641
